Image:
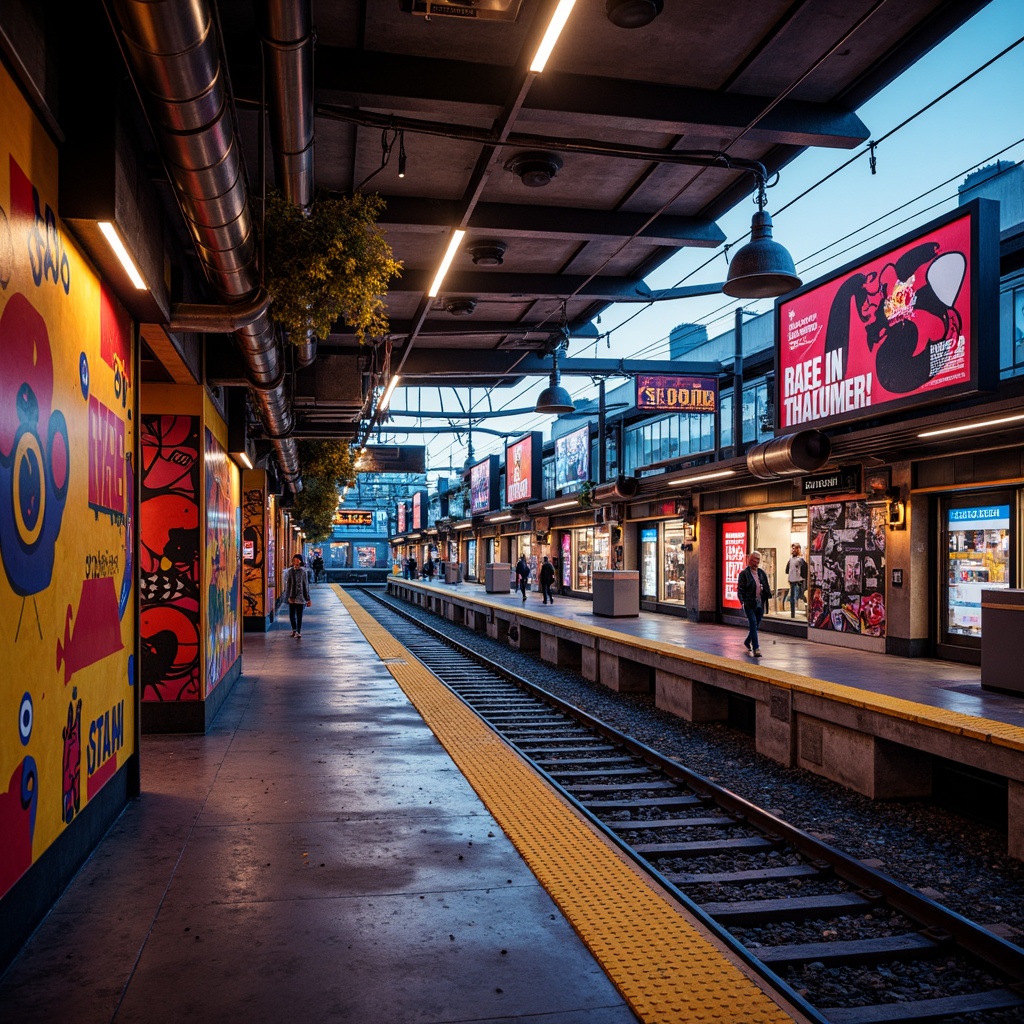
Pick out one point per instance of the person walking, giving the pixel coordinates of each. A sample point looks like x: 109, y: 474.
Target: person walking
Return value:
x: 754, y: 593
x: 547, y: 579
x: 522, y: 575
x: 796, y: 573
x: 412, y: 567
x: 296, y: 593
x: 428, y: 568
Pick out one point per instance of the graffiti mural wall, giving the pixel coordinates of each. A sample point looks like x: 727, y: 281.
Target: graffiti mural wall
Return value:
x: 254, y: 547
x: 169, y: 559
x: 67, y: 599
x: 223, y: 563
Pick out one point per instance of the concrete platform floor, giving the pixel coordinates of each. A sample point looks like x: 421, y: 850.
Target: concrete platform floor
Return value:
x: 315, y: 857
x: 943, y: 684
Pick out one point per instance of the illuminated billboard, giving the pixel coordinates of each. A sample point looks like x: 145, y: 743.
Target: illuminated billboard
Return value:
x: 663, y: 393
x: 419, y: 510
x: 523, y: 469
x: 572, y: 458
x: 483, y: 486
x: 402, y: 525
x: 901, y: 327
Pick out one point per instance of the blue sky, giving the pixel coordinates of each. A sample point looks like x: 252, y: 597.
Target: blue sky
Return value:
x: 963, y: 131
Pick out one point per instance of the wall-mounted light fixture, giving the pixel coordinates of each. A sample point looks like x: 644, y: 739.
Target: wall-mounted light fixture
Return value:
x: 895, y: 509
x: 701, y: 477
x: 967, y: 427
x: 110, y: 233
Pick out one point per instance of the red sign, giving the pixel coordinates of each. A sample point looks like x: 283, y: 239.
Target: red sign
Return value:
x: 676, y: 394
x: 734, y: 559
x: 521, y: 461
x: 900, y: 328
x: 401, y: 517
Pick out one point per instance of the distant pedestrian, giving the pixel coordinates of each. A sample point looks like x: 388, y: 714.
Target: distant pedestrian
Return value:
x: 412, y: 567
x: 547, y: 580
x: 296, y: 593
x: 754, y: 592
x: 318, y: 568
x: 796, y: 572
x: 522, y: 575
x: 428, y: 567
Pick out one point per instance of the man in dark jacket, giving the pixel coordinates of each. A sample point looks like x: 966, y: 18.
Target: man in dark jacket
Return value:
x: 296, y: 593
x: 754, y: 592
x: 547, y: 579
x: 522, y: 575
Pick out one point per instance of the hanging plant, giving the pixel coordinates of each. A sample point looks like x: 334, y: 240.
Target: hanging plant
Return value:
x: 586, y: 495
x: 326, y: 466
x: 328, y: 262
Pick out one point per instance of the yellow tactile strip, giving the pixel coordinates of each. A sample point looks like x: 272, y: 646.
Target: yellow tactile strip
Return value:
x: 666, y: 970
x: 984, y: 730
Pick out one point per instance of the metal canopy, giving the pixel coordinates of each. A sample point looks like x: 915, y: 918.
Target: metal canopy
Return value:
x: 645, y: 127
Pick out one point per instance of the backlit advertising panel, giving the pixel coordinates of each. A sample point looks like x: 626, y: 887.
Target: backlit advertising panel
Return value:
x: 734, y: 559
x: 483, y: 486
x: 419, y: 510
x: 523, y: 469
x: 901, y: 327
x: 663, y: 393
x: 402, y: 523
x: 572, y: 458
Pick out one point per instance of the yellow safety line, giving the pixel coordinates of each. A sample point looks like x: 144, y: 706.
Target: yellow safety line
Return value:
x: 665, y: 968
x: 984, y: 730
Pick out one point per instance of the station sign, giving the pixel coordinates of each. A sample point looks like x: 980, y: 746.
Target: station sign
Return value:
x: 381, y: 458
x: 669, y: 393
x: 844, y: 480
x: 353, y: 517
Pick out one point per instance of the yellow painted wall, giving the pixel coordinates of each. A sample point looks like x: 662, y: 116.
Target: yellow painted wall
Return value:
x: 67, y: 455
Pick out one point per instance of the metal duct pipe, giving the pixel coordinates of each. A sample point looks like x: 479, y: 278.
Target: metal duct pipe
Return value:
x: 205, y: 318
x: 286, y: 27
x: 172, y: 48
x: 804, y: 452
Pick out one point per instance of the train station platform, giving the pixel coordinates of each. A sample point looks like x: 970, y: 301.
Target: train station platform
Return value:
x: 321, y: 854
x: 876, y: 723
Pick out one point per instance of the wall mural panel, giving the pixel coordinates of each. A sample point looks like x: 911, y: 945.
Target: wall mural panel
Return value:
x: 67, y: 401
x: 223, y: 570
x: 254, y: 559
x: 169, y: 559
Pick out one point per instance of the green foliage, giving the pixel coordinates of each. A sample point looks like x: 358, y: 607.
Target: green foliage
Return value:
x: 326, y: 466
x: 328, y: 262
x: 586, y: 495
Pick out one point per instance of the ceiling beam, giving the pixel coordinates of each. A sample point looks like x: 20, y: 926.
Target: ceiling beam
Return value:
x: 374, y: 79
x: 510, y: 220
x: 467, y: 327
x: 430, y: 364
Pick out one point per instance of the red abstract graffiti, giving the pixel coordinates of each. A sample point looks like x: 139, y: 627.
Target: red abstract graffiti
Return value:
x: 17, y: 823
x: 97, y: 630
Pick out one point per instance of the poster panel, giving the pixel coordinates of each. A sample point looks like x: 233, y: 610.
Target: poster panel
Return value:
x: 734, y: 558
x: 223, y: 565
x: 846, y: 592
x: 522, y: 469
x: 67, y: 462
x: 901, y: 327
x: 572, y: 458
x: 253, y: 560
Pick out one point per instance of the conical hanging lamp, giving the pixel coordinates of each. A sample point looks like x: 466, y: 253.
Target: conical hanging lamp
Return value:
x: 554, y: 399
x: 762, y: 268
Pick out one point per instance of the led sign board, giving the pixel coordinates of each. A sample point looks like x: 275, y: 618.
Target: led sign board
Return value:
x: 402, y: 522
x: 901, y: 327
x: 658, y: 392
x: 734, y: 559
x: 419, y: 510
x: 352, y: 517
x: 572, y: 458
x: 523, y: 469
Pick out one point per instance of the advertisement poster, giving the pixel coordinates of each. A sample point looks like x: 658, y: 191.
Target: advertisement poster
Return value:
x: 572, y: 459
x: 734, y: 559
x: 566, y: 561
x: 480, y: 487
x: 402, y: 526
x: 522, y: 465
x: 896, y: 329
x: 847, y: 568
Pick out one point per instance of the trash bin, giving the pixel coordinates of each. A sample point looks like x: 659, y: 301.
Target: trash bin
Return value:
x: 1002, y: 616
x: 452, y: 572
x: 498, y: 578
x: 616, y: 592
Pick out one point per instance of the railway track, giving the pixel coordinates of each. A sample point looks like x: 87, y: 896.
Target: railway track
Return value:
x: 811, y: 920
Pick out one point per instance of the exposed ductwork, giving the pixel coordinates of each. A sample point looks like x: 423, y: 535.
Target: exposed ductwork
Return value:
x: 172, y: 48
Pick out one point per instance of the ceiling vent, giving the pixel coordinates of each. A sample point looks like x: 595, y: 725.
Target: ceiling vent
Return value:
x: 484, y: 10
x: 460, y: 307
x: 633, y: 13
x: 534, y: 169
x: 487, y: 254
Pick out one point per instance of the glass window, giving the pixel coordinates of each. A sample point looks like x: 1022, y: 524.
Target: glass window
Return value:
x: 583, y: 560
x: 775, y: 534
x: 471, y: 560
x: 978, y: 558
x: 676, y: 535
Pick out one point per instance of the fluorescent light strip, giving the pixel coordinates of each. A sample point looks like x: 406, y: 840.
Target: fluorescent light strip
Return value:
x: 554, y: 30
x: 453, y: 248
x: 561, y: 504
x: 115, y: 243
x: 702, y: 476
x: 498, y: 519
x: 243, y: 457
x: 973, y: 426
x: 388, y: 392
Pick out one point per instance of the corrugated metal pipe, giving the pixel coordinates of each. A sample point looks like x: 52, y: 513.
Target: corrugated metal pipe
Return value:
x: 173, y: 52
x: 286, y: 28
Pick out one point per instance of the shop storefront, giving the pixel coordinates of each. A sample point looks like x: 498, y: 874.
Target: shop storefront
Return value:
x: 583, y: 553
x: 977, y: 552
x: 664, y: 548
x: 776, y: 533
